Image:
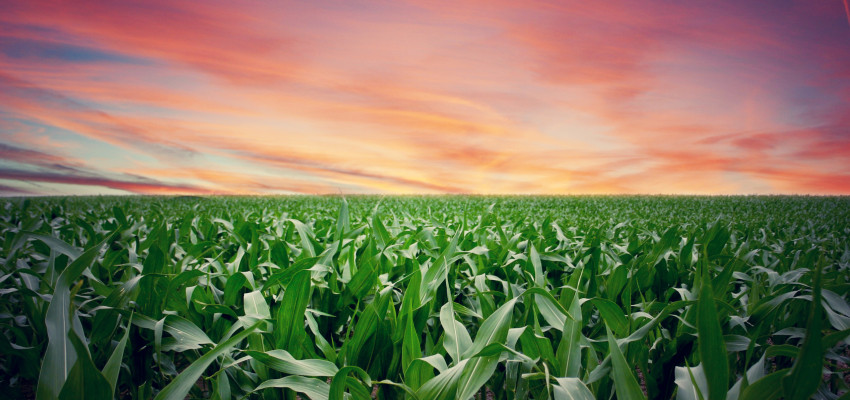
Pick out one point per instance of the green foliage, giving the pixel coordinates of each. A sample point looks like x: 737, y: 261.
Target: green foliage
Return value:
x: 712, y: 348
x: 425, y: 297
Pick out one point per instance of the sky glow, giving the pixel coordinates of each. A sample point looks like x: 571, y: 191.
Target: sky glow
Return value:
x: 524, y: 97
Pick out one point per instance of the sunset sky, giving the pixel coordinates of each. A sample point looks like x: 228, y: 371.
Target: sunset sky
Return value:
x: 267, y: 97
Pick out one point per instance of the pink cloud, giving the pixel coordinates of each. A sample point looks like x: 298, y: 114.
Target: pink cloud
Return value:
x: 146, y: 186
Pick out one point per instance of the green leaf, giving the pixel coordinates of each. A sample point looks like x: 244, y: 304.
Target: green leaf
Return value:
x: 327, y: 350
x: 255, y: 304
x: 60, y: 355
x: 421, y: 370
x: 363, y: 282
x: 468, y: 376
x: 313, y: 388
x: 691, y: 382
x: 754, y: 373
x: 279, y: 255
x: 625, y: 383
x: 613, y: 315
x: 113, y: 366
x: 641, y: 332
x: 234, y: 284
x: 411, y: 347
x: 180, y: 386
x: 365, y: 328
x: 494, y: 330
x: 342, y: 222
x: 286, y: 276
x: 380, y: 232
x: 805, y: 375
x: 55, y: 244
x: 712, y: 348
x: 571, y: 389
x: 290, y: 315
x: 476, y: 373
x: 185, y: 334
x: 222, y: 386
x: 833, y: 338
x: 84, y: 380
x: 305, y: 233
x: 551, y: 311
x: 718, y: 241
x: 436, y: 273
x: 443, y: 386
x: 282, y: 361
x: 340, y: 381
x: 457, y: 339
x: 539, y: 275
x: 569, y: 350
x: 767, y: 388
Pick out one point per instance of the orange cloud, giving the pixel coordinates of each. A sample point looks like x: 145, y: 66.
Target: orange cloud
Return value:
x: 220, y: 40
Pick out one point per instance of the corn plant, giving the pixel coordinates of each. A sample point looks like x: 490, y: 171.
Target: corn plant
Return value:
x: 425, y: 297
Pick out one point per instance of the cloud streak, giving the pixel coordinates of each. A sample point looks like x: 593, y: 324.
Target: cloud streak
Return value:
x: 138, y: 186
x: 847, y: 11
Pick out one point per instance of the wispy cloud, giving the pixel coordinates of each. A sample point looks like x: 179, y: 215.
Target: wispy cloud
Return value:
x: 847, y: 11
x: 138, y: 185
x: 6, y: 190
x: 34, y: 157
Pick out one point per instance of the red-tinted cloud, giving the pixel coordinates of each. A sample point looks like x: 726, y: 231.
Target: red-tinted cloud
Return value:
x: 27, y: 156
x: 145, y: 186
x: 6, y: 190
x: 215, y: 37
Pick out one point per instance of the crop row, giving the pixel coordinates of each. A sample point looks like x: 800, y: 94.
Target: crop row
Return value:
x: 425, y: 297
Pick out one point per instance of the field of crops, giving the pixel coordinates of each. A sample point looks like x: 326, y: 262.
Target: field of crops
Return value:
x: 425, y: 297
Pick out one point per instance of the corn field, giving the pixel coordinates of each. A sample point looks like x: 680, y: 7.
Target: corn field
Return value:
x: 425, y: 297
